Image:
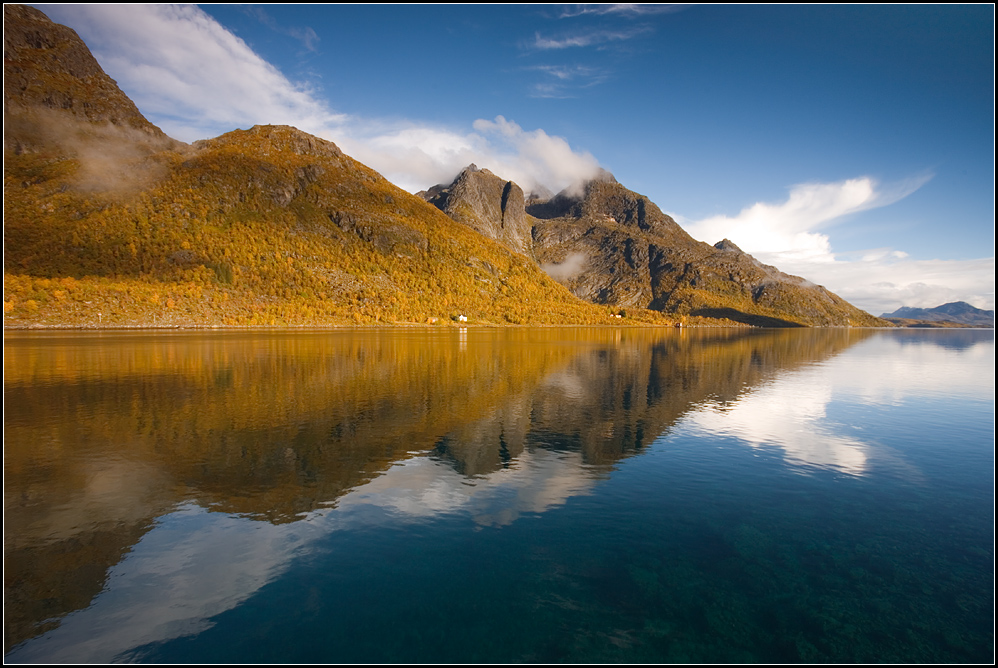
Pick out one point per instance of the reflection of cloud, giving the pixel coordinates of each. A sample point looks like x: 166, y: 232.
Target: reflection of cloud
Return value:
x: 194, y: 564
x: 535, y: 481
x: 789, y: 414
x: 928, y: 367
x: 191, y: 567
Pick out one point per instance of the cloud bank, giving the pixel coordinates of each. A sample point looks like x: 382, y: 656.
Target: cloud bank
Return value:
x: 788, y: 228
x: 879, y: 280
x: 187, y: 71
x: 195, y: 79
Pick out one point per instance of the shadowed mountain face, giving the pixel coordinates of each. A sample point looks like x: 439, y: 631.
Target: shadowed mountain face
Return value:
x: 612, y: 246
x: 50, y: 78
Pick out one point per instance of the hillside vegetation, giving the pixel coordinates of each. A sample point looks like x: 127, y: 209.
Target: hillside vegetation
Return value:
x: 268, y: 226
x: 110, y: 223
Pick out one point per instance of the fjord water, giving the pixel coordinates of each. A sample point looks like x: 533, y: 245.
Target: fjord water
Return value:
x: 527, y: 495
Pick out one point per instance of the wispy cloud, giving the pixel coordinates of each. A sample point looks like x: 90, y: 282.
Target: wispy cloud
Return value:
x: 307, y: 36
x: 789, y: 228
x: 587, y: 38
x: 568, y: 72
x: 572, y: 11
x: 195, y: 79
x: 565, y: 81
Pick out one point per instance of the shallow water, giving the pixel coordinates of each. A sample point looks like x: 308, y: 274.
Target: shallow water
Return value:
x: 529, y: 495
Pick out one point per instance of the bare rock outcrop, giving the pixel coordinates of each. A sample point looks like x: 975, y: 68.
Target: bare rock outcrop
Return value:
x: 492, y: 206
x: 612, y: 246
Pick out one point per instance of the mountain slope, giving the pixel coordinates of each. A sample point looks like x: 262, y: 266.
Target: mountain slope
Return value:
x: 108, y: 222
x: 612, y: 246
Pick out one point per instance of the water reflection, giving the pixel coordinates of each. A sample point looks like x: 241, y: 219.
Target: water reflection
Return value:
x: 788, y: 414
x: 165, y: 447
x: 791, y: 411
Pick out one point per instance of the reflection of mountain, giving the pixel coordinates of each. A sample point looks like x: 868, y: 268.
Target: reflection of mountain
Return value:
x: 952, y: 339
x: 102, y: 438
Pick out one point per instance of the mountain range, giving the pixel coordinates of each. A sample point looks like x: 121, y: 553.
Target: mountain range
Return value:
x: 109, y: 222
x: 954, y: 312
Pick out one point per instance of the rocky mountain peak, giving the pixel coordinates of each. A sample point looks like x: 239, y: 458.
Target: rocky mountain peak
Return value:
x: 728, y: 245
x: 277, y: 138
x: 604, y: 176
x: 488, y: 203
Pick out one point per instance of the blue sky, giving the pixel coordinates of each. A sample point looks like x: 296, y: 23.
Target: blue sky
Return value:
x: 852, y: 145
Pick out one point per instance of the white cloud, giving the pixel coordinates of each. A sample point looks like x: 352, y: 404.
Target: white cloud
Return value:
x: 181, y: 66
x: 565, y: 81
x: 195, y: 79
x: 533, y: 158
x: 415, y: 156
x: 572, y: 11
x: 787, y: 236
x: 883, y: 282
x: 789, y: 228
x: 588, y: 38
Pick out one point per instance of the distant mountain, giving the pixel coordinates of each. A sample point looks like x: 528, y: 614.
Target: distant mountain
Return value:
x: 958, y: 312
x: 612, y: 246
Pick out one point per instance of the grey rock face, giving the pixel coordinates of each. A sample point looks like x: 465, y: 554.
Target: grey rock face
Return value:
x: 490, y: 205
x: 609, y: 245
x: 613, y: 246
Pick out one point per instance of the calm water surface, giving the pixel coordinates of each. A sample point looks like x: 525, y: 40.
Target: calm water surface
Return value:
x: 500, y: 496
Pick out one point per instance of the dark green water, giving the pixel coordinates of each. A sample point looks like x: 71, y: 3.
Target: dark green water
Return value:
x: 500, y: 496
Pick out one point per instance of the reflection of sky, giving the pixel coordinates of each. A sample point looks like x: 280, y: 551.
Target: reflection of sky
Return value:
x: 195, y: 564
x: 791, y: 411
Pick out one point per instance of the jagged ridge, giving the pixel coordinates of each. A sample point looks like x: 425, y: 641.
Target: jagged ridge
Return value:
x: 612, y: 246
